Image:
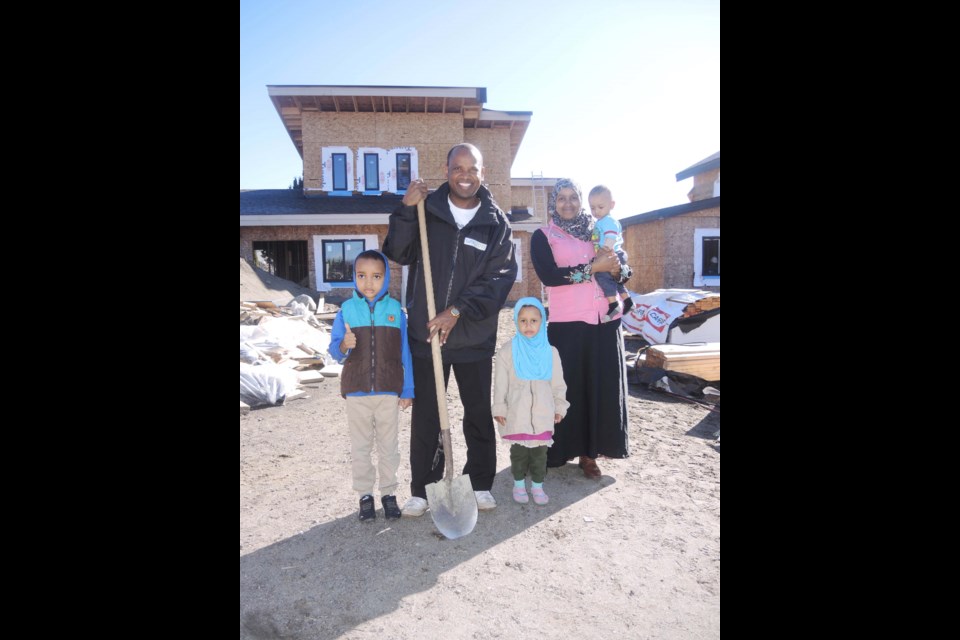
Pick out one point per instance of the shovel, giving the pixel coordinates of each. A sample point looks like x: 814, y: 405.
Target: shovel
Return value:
x: 453, y: 504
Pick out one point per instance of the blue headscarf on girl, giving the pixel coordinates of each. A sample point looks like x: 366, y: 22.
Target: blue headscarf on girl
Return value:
x: 532, y: 357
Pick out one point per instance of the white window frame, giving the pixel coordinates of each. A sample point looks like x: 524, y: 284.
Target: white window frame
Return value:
x: 362, y: 168
x: 700, y: 280
x: 326, y: 157
x: 369, y: 242
x: 391, y: 185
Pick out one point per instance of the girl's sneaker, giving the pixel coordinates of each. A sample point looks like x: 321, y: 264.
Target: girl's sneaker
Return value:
x: 520, y: 495
x: 539, y: 496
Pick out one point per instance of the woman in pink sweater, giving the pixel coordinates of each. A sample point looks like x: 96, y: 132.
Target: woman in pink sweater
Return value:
x: 592, y: 352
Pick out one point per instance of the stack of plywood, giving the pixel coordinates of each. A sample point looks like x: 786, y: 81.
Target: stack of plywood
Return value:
x: 701, y: 360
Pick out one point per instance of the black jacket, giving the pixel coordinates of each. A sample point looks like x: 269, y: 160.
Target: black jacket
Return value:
x: 473, y: 269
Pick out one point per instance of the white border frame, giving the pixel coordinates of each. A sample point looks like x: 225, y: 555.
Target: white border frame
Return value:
x: 370, y: 242
x: 326, y: 157
x: 700, y: 280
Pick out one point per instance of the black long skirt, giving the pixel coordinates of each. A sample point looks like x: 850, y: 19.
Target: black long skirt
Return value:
x: 594, y: 368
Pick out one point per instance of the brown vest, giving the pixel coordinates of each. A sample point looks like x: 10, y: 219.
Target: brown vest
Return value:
x: 375, y: 364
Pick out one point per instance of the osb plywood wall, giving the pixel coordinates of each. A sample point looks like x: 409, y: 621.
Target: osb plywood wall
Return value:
x: 306, y: 232
x: 661, y: 252
x: 530, y: 286
x: 432, y: 134
x: 523, y: 197
x: 495, y: 146
x: 703, y: 185
x: 678, y: 245
x: 643, y: 244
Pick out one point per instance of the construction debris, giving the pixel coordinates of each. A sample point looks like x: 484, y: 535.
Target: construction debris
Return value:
x: 281, y: 348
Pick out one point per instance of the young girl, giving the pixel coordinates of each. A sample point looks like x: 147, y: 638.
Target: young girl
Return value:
x: 529, y: 398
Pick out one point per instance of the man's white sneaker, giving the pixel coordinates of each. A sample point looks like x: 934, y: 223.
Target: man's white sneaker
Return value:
x: 414, y: 507
x: 485, y: 501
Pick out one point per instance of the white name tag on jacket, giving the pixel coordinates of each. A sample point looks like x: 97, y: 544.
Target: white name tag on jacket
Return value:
x: 476, y: 244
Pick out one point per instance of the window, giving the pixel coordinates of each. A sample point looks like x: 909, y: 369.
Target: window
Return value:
x: 286, y: 259
x: 403, y: 171
x: 368, y: 170
x: 711, y: 257
x: 339, y: 172
x: 370, y: 182
x: 706, y: 258
x: 334, y: 256
x: 401, y: 164
x: 338, y: 258
x: 371, y: 172
x: 337, y: 165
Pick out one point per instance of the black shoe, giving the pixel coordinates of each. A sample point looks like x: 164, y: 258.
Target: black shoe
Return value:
x: 367, y: 510
x: 627, y: 305
x: 390, y: 509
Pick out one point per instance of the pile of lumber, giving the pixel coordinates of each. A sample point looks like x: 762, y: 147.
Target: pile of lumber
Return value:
x: 709, y: 303
x: 701, y: 360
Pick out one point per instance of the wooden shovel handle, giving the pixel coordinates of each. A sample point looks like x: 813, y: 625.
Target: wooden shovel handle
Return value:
x: 435, y: 344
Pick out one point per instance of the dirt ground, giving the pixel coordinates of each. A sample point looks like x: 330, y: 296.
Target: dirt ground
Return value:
x: 634, y: 555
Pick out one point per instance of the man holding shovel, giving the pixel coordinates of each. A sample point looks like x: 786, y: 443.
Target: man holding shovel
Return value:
x: 473, y: 269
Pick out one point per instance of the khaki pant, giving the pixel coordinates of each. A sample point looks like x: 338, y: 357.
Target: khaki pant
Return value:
x: 374, y: 419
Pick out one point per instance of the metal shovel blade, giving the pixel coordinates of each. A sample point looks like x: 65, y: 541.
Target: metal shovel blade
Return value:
x: 453, y: 506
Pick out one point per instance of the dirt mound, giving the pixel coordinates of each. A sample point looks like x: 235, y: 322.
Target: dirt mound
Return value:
x: 256, y: 284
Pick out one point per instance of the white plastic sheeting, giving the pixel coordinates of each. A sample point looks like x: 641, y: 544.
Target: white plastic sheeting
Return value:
x: 655, y: 313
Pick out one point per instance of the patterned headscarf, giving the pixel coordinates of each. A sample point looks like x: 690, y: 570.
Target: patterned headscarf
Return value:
x: 581, y: 226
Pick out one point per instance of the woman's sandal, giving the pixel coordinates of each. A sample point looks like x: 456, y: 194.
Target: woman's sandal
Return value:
x: 590, y: 468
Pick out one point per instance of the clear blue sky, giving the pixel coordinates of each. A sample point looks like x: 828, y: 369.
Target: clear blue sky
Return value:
x: 626, y: 93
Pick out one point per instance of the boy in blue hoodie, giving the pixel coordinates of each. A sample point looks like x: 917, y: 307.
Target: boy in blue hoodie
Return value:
x: 370, y: 334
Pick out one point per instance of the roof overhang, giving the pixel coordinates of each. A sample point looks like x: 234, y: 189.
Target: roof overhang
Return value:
x: 476, y: 93
x: 669, y: 212
x: 712, y: 162
x: 313, y: 219
x: 516, y: 121
x: 292, y: 101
